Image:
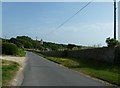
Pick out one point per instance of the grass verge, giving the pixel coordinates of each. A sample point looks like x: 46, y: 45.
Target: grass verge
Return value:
x: 20, y: 52
x: 101, y: 70
x: 9, y: 69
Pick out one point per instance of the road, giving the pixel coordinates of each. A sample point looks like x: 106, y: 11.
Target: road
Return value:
x: 41, y: 72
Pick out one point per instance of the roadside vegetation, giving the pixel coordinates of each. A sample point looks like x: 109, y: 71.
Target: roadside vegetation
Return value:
x: 12, y: 49
x: 28, y: 43
x: 97, y: 69
x: 111, y: 42
x: 9, y: 69
x: 111, y: 73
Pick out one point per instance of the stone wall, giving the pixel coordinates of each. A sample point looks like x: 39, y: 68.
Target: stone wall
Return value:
x: 110, y: 55
x: 53, y: 53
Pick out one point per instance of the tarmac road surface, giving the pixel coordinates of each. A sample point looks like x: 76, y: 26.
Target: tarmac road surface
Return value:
x: 41, y: 72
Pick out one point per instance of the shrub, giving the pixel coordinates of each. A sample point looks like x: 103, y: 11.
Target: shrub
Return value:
x: 111, y: 42
x: 9, y: 49
x: 21, y: 52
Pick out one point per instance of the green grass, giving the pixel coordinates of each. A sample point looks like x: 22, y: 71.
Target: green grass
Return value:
x: 20, y: 52
x: 97, y: 69
x: 9, y: 69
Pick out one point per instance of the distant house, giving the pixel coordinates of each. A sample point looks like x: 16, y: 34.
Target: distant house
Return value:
x: 41, y: 41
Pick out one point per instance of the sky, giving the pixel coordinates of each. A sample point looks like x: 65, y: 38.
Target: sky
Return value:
x: 40, y: 19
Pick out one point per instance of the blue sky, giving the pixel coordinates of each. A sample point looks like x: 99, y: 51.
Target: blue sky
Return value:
x: 90, y: 27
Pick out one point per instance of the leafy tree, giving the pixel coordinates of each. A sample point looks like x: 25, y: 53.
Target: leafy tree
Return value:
x: 24, y: 38
x: 15, y: 41
x: 111, y: 42
x: 25, y: 41
x: 71, y: 46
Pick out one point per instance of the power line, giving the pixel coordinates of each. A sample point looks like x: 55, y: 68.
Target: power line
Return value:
x: 70, y: 18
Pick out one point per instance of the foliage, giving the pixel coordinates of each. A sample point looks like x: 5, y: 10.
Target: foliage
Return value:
x: 111, y: 42
x: 24, y: 38
x: 15, y: 41
x: 9, y: 49
x: 12, y: 49
x: 21, y: 52
x: 28, y: 43
x: 54, y: 46
x: 71, y: 46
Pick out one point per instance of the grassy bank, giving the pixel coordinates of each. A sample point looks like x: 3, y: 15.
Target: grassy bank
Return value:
x: 9, y: 69
x: 101, y: 70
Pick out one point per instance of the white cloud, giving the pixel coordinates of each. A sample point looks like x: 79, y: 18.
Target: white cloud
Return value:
x: 83, y: 34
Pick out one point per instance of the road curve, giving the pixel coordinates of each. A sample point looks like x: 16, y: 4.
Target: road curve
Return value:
x: 41, y: 72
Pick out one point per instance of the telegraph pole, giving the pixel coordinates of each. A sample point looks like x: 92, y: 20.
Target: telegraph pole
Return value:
x: 115, y: 19
x: 5, y: 39
x: 36, y: 43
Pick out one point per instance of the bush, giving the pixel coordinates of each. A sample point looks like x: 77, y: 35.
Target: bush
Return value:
x: 70, y: 46
x: 21, y: 52
x: 9, y: 49
x: 111, y: 42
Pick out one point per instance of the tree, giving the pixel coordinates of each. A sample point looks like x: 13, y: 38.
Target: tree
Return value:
x: 13, y: 40
x: 16, y: 42
x: 71, y: 46
x: 111, y: 42
x: 25, y: 41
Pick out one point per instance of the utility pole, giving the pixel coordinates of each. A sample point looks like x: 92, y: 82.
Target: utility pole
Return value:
x: 5, y: 39
x: 115, y: 19
x: 36, y: 43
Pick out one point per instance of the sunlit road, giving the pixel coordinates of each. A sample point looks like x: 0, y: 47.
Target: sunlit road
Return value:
x: 41, y: 72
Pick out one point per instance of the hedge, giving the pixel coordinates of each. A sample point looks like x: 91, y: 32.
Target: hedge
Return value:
x: 9, y: 49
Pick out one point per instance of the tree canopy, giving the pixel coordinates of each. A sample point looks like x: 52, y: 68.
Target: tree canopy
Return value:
x: 29, y: 43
